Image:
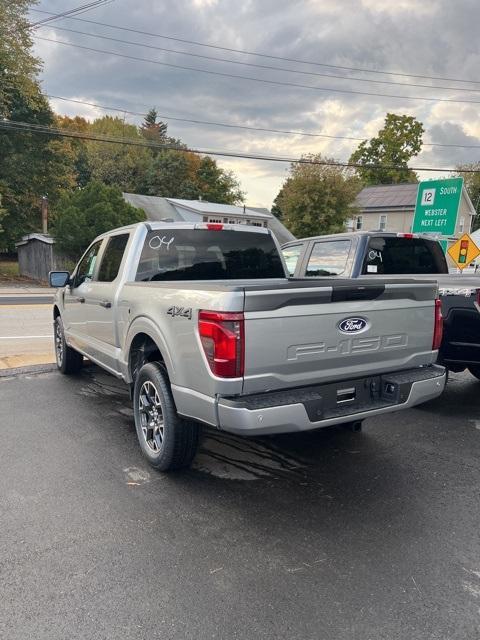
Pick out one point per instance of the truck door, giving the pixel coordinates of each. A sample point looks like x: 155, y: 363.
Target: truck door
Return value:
x: 75, y: 313
x: 100, y: 301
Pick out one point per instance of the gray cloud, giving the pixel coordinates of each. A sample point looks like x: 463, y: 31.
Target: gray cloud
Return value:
x: 435, y: 38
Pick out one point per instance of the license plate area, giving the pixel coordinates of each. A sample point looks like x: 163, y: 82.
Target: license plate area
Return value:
x: 353, y: 396
x: 346, y: 395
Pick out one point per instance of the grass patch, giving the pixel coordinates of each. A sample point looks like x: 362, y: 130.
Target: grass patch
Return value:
x: 9, y: 269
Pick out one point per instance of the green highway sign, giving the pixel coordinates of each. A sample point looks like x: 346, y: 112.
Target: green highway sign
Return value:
x: 437, y: 206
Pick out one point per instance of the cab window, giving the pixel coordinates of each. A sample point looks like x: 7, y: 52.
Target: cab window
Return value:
x: 328, y: 258
x: 112, y: 258
x: 291, y: 256
x: 86, y: 266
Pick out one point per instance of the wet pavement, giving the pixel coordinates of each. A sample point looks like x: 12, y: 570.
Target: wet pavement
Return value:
x: 329, y: 535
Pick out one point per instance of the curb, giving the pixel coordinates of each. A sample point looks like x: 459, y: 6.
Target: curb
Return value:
x: 32, y: 368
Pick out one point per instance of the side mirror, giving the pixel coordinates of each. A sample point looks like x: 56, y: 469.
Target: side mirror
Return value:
x: 58, y: 279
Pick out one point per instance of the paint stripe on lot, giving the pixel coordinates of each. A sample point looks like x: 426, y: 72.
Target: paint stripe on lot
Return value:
x: 24, y: 337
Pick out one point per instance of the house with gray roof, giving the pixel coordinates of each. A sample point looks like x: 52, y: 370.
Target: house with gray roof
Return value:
x: 178, y: 210
x: 390, y: 207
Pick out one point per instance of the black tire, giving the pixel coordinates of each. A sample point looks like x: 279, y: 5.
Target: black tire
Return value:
x: 68, y: 360
x: 475, y: 370
x: 167, y: 441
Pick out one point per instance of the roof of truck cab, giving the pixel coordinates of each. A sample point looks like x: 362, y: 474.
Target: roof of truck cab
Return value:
x: 354, y: 234
x: 156, y: 226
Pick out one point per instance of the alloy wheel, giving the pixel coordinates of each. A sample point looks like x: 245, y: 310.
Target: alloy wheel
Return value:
x: 58, y: 343
x: 151, y: 416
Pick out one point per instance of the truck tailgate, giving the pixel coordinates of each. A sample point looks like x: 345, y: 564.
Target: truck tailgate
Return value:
x: 305, y: 333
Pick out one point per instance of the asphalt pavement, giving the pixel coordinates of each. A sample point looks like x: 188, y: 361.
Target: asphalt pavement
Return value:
x: 326, y: 535
x: 26, y: 335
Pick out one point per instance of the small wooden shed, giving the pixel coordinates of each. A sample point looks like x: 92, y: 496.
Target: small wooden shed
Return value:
x: 37, y: 256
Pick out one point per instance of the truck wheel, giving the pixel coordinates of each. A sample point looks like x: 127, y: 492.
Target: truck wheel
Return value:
x: 68, y: 360
x: 475, y: 370
x: 167, y: 441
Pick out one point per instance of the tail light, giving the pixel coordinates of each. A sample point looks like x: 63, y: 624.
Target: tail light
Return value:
x: 223, y: 339
x: 438, y: 326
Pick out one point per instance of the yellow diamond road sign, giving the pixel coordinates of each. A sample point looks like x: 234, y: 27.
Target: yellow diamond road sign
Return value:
x: 464, y: 251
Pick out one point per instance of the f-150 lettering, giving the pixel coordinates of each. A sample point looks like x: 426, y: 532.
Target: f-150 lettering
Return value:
x: 348, y: 346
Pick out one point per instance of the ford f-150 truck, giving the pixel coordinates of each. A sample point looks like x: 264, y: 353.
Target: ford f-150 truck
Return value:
x: 203, y: 323
x: 374, y: 254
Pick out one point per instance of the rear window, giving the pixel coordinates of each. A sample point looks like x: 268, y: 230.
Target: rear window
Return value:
x: 202, y: 254
x: 392, y: 256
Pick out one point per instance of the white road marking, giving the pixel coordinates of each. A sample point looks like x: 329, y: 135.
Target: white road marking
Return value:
x: 24, y: 337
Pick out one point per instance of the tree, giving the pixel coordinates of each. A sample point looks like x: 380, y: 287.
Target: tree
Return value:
x: 276, y: 209
x: 18, y: 67
x: 31, y: 165
x: 114, y: 164
x: 77, y: 147
x: 317, y: 199
x: 86, y: 213
x: 472, y: 185
x: 216, y: 184
x: 168, y: 175
x: 398, y: 142
x: 183, y: 174
x: 154, y: 131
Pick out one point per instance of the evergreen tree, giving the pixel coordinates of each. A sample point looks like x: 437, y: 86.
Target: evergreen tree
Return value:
x: 154, y: 131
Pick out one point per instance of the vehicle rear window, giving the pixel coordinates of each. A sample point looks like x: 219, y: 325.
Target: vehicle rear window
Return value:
x: 328, y: 258
x: 393, y: 255
x: 202, y: 254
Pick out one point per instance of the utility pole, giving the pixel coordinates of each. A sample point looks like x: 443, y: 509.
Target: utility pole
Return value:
x: 45, y: 214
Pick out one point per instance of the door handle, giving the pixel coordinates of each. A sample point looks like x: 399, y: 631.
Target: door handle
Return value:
x: 81, y: 300
x: 106, y: 304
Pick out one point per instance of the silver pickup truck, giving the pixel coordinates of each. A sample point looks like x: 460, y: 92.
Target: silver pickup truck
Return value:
x: 203, y: 323
x: 381, y: 254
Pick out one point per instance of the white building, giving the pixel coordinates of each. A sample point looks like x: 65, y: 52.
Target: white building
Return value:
x: 174, y: 209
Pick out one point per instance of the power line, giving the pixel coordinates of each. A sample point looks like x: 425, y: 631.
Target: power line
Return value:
x: 244, y: 127
x: 65, y: 14
x: 264, y: 55
x: 264, y: 66
x: 206, y: 122
x: 44, y: 130
x: 259, y: 80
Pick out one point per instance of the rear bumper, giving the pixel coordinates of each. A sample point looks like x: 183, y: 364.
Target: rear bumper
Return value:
x: 293, y: 410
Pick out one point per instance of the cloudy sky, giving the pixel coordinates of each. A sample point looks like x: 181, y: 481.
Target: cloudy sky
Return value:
x: 428, y: 38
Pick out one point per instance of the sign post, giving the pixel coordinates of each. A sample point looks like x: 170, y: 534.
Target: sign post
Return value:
x: 437, y: 206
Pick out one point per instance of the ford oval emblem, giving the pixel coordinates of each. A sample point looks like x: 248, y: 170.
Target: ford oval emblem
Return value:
x: 353, y: 325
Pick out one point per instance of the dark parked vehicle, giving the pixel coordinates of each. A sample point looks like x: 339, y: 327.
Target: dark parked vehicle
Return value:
x: 377, y: 254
